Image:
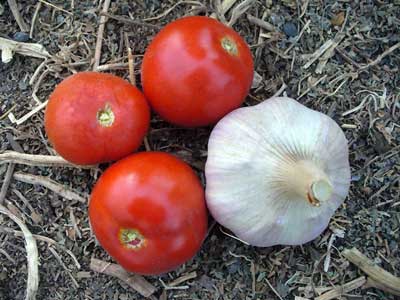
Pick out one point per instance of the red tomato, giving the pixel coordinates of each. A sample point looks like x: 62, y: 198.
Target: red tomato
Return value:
x: 196, y: 70
x: 148, y: 212
x: 95, y: 117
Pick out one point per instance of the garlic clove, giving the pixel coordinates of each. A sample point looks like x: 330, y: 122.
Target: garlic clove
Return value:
x: 276, y: 172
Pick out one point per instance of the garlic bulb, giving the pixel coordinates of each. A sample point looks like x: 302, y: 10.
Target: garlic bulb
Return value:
x: 276, y: 172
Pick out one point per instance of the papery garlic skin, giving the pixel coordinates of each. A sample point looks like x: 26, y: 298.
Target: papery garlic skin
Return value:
x: 260, y: 162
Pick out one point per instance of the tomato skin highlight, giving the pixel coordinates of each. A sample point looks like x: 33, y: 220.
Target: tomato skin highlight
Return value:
x: 79, y: 106
x: 157, y: 198
x: 196, y: 70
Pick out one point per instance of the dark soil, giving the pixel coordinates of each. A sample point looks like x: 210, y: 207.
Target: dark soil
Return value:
x: 226, y: 268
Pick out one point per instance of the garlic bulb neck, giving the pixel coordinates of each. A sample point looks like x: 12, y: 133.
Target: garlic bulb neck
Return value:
x: 307, y: 180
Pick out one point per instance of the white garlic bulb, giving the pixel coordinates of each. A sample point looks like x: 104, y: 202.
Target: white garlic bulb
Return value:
x: 276, y: 172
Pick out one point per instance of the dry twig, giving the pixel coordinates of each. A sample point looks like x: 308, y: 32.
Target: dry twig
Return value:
x: 304, y: 8
x: 378, y: 277
x: 312, y: 86
x: 166, y: 12
x: 239, y: 10
x: 273, y: 289
x: 252, y: 269
x: 136, y: 282
x: 146, y: 144
x: 381, y: 56
x: 329, y: 44
x: 8, y: 47
x: 55, y: 7
x: 131, y: 61
x: 28, y: 115
x: 6, y: 182
x: 58, y: 258
x: 327, y: 55
x: 130, y: 21
x: 15, y: 11
x: 298, y: 37
x: 281, y: 90
x: 224, y: 7
x: 32, y: 255
x: 183, y: 279
x: 33, y: 22
x: 42, y: 239
x: 51, y: 185
x: 232, y: 236
x: 100, y: 32
x: 261, y: 23
x: 115, y: 66
x: 343, y: 289
x: 37, y: 160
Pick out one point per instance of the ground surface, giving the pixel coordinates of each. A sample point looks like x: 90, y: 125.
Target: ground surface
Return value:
x: 226, y: 269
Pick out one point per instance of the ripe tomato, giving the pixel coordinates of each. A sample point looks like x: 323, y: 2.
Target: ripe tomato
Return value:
x: 196, y: 70
x: 95, y: 117
x: 148, y: 212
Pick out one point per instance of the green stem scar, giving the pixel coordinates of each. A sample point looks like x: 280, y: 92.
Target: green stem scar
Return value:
x: 105, y: 116
x: 229, y: 46
x: 131, y: 238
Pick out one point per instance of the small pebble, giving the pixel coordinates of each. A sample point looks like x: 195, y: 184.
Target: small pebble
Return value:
x: 21, y: 36
x: 60, y: 19
x: 22, y: 85
x: 125, y: 8
x: 110, y: 27
x: 290, y: 29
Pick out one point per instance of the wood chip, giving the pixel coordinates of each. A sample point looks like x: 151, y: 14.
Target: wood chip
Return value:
x: 379, y: 278
x: 136, y: 282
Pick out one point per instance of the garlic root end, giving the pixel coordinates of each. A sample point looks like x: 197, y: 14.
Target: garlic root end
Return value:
x: 320, y: 191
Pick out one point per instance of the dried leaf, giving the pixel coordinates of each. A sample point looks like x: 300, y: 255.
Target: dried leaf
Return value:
x: 290, y: 3
x: 36, y: 218
x: 71, y: 233
x: 338, y: 19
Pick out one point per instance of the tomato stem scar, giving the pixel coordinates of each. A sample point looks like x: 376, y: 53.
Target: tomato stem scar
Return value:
x: 131, y: 238
x: 105, y: 116
x: 229, y: 45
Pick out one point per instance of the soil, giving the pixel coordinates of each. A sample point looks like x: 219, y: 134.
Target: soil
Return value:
x: 358, y: 85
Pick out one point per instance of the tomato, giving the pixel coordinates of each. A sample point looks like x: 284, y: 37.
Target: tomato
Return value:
x: 148, y: 212
x: 196, y: 70
x: 95, y: 117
